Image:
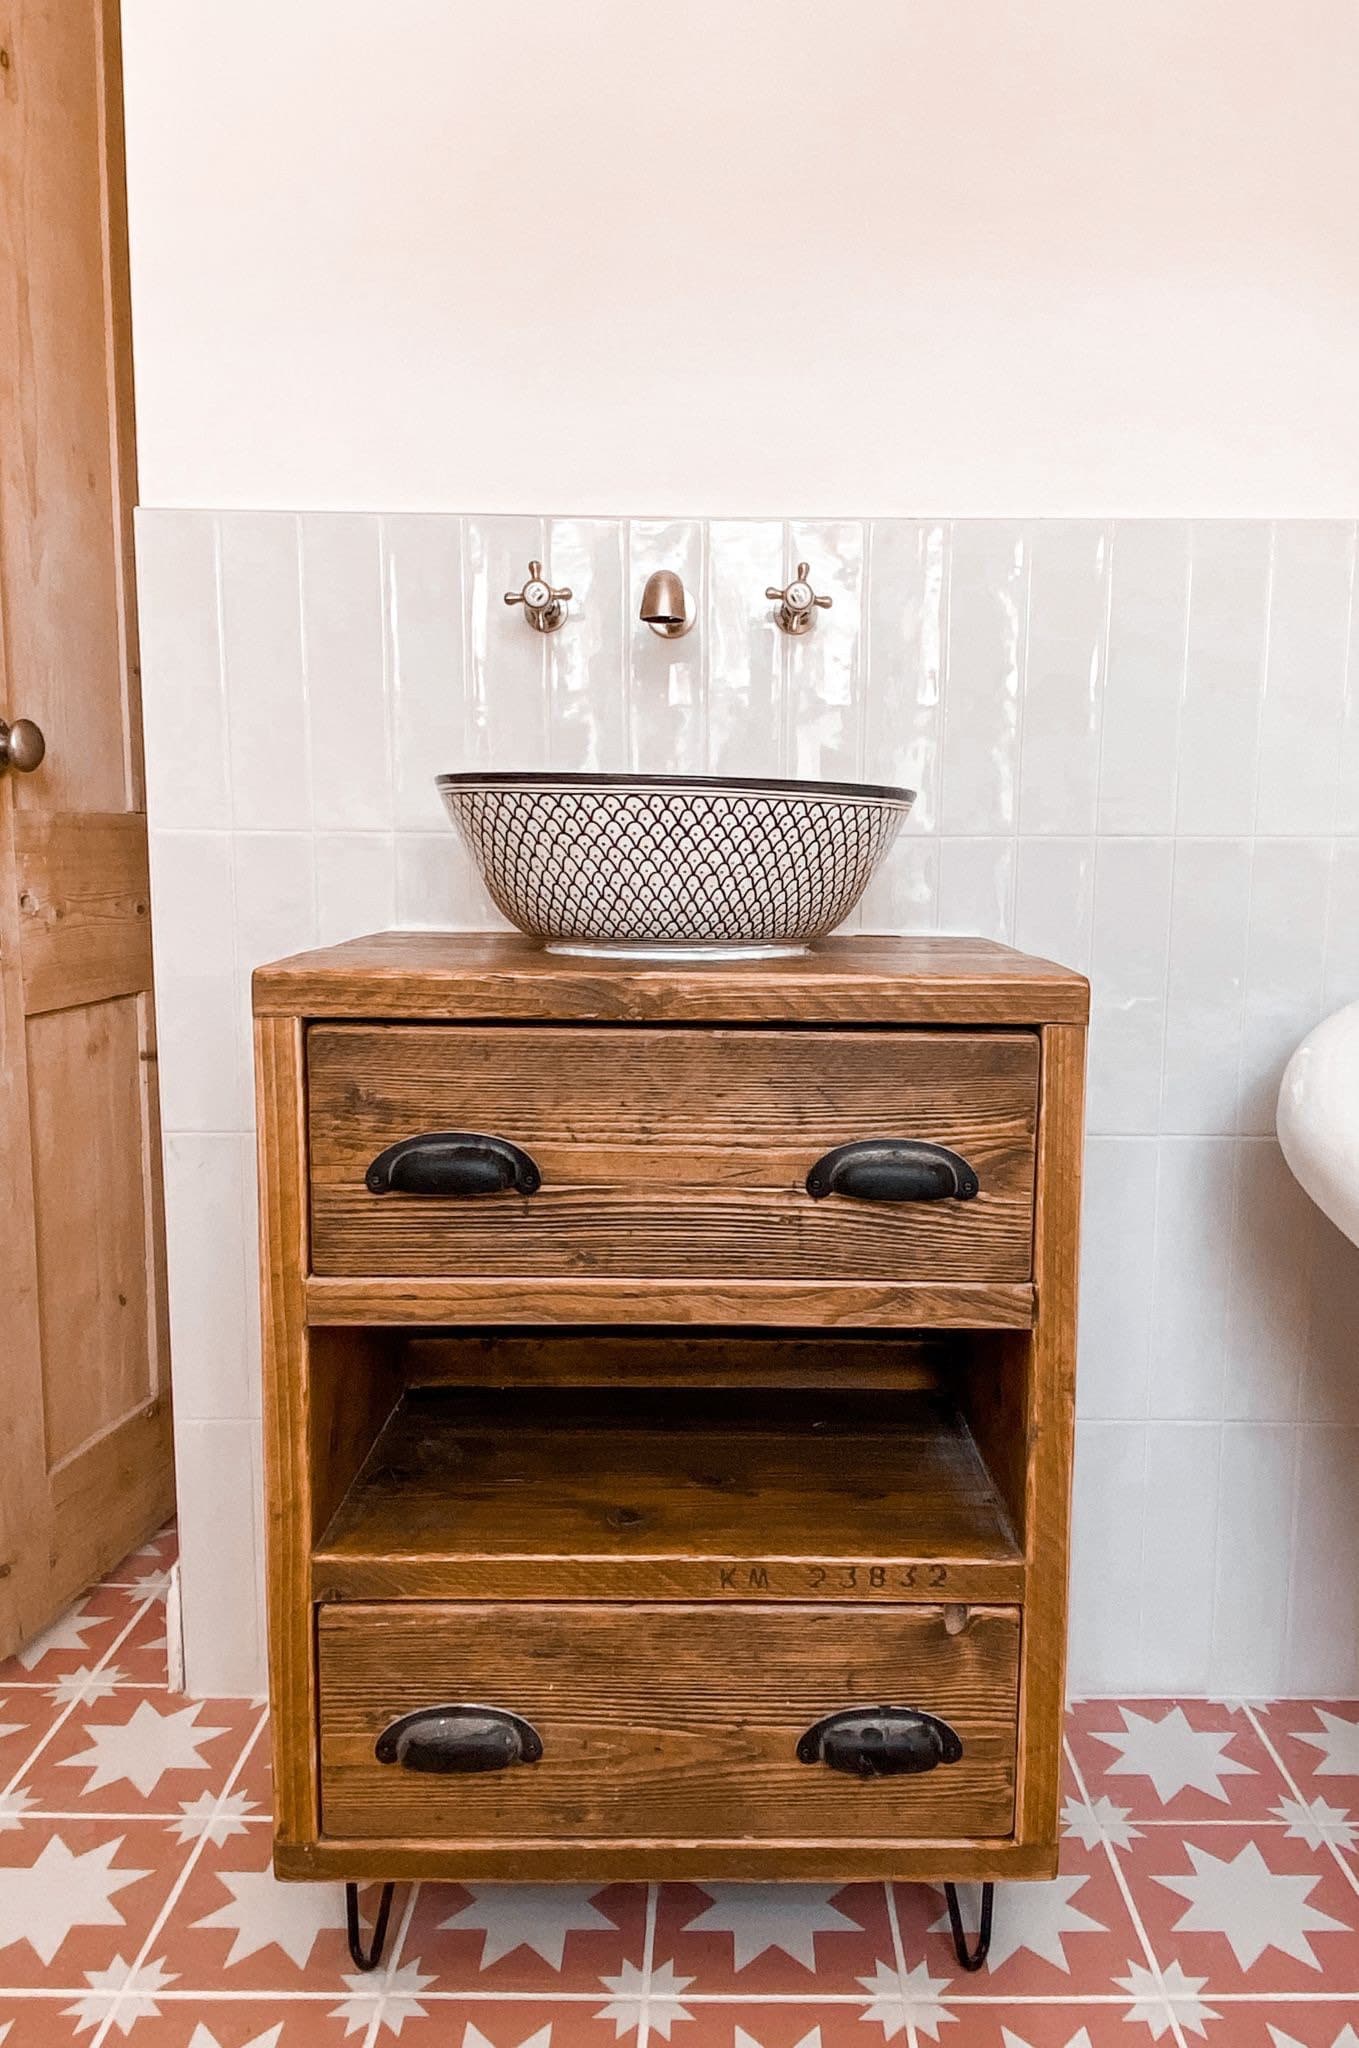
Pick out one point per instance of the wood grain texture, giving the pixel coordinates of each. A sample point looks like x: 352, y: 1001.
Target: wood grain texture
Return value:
x: 472, y: 975
x: 84, y: 1395
x: 672, y: 1358
x: 672, y: 1153
x: 580, y: 1861
x: 669, y: 1722
x: 85, y: 904
x: 639, y: 1495
x: 520, y: 1300
x: 1051, y: 1428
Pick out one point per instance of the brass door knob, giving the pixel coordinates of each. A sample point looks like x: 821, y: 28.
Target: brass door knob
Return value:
x: 22, y: 745
x: 797, y: 601
x: 544, y: 607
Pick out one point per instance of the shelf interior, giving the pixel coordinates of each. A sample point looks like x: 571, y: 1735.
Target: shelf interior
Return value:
x: 608, y: 1475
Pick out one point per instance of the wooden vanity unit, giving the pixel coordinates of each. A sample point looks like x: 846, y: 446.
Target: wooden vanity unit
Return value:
x: 635, y: 1508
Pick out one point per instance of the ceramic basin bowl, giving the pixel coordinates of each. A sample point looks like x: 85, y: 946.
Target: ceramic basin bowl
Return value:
x: 673, y: 865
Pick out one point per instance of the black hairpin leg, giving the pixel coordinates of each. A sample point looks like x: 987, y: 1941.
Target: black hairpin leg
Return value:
x: 971, y: 1958
x: 367, y: 1959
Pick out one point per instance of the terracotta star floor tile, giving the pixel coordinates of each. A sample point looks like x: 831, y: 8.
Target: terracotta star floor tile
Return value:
x: 156, y: 1556
x: 77, y: 1894
x: 1318, y: 1743
x: 745, y: 1939
x: 27, y: 1714
x: 525, y: 1938
x: 76, y: 1640
x: 407, y: 2007
x: 142, y: 1655
x: 1321, y: 2023
x: 140, y: 1750
x: 1067, y: 1938
x: 1246, y: 1910
x: 241, y: 2023
x: 36, y: 2022
x: 1174, y: 1760
x: 234, y: 1927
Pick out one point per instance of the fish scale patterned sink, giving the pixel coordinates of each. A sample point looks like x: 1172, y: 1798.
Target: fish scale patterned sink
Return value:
x: 673, y: 866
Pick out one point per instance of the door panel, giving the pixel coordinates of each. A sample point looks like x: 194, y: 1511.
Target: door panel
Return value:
x: 84, y: 1409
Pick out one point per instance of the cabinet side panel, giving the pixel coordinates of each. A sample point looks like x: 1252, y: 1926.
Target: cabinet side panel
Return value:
x: 1052, y: 1387
x: 280, y: 1088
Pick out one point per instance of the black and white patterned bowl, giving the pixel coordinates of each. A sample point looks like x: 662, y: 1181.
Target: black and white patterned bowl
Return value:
x: 655, y: 865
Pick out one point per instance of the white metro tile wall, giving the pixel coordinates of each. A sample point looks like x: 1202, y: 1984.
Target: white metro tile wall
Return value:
x: 1137, y: 749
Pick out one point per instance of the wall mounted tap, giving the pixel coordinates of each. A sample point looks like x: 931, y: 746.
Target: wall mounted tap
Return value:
x: 797, y: 602
x: 665, y: 605
x: 544, y: 607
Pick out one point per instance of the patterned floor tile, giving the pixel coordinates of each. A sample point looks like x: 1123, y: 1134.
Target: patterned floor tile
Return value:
x: 236, y: 1928
x: 1068, y: 1938
x: 1246, y: 1910
x: 27, y: 1714
x: 75, y: 1641
x: 525, y: 1938
x: 1318, y: 1743
x: 75, y: 1895
x: 240, y: 2023
x: 142, y: 1655
x: 157, y: 1555
x: 1174, y: 1760
x: 140, y: 1751
x: 407, y: 2008
x: 1324, y: 2023
x: 747, y: 1939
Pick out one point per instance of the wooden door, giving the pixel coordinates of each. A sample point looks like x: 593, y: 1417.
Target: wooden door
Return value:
x: 84, y: 1410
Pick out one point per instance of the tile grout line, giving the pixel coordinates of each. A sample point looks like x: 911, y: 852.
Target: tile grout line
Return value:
x: 83, y: 1697
x: 1257, y: 1723
x: 899, y: 1954
x: 648, y: 1964
x: 1120, y: 1879
x: 190, y: 1863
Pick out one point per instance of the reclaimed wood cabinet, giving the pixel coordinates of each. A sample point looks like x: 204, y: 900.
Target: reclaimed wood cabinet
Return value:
x: 668, y: 1409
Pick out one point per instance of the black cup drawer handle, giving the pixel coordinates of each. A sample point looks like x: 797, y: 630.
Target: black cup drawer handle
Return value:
x: 880, y: 1742
x: 893, y: 1170
x: 452, y: 1163
x: 448, y: 1739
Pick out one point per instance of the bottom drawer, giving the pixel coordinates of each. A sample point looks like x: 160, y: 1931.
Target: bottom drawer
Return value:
x: 667, y: 1723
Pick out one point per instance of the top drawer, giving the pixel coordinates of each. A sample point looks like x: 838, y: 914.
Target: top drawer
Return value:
x: 671, y: 1154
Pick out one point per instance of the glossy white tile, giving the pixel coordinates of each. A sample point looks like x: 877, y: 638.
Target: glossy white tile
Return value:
x: 355, y: 885
x: 906, y: 624
x: 437, y: 886
x: 1055, y: 899
x: 1128, y: 976
x: 1329, y: 1384
x: 904, y: 894
x: 988, y: 622
x: 1273, y: 1250
x: 215, y: 1468
x: 211, y: 1260
x: 1303, y: 717
x: 1179, y: 1556
x: 1285, y: 967
x: 1118, y: 1238
x: 507, y: 717
x: 261, y: 613
x: 745, y: 657
x: 1347, y: 786
x: 1205, y: 988
x: 977, y: 887
x: 824, y: 667
x: 1148, y: 644
x: 666, y: 679
x: 345, y: 652
x: 1323, y: 1619
x: 1256, y: 1505
x: 1191, y: 1285
x: 1219, y: 746
x: 202, y: 1082
x: 432, y: 733
x: 1340, y: 980
x: 184, y: 705
x: 1108, y: 1511
x: 1064, y: 675
x: 586, y: 671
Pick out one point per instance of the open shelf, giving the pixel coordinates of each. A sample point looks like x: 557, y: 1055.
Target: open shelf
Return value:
x: 647, y: 1494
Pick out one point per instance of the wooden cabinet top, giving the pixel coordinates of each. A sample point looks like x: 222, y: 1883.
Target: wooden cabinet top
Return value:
x: 864, y: 980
